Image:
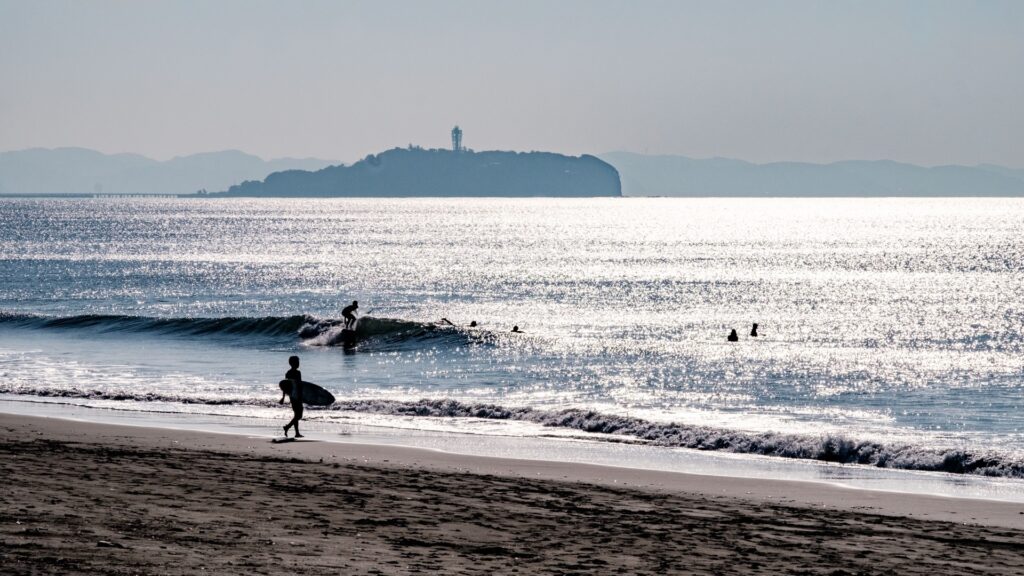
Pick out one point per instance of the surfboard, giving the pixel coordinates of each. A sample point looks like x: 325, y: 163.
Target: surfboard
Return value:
x: 281, y: 439
x: 312, y: 394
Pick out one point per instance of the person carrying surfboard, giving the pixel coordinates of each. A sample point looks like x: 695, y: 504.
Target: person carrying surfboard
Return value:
x: 295, y: 394
x: 347, y: 312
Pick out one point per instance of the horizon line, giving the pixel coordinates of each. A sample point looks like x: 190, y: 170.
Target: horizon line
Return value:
x: 335, y: 161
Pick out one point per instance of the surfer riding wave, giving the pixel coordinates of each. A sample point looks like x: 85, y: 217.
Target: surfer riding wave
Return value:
x: 347, y: 313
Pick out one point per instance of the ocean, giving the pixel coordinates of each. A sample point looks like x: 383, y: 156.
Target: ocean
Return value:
x: 890, y: 330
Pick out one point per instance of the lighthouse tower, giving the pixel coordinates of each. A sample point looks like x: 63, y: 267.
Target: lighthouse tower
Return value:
x: 456, y: 139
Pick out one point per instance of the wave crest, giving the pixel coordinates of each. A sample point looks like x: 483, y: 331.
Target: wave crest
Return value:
x: 113, y: 323
x: 372, y: 333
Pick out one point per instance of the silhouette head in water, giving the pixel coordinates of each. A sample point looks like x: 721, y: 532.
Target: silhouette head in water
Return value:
x: 347, y: 312
x: 295, y: 393
x: 753, y: 331
x: 517, y: 330
x: 472, y: 324
x: 733, y: 336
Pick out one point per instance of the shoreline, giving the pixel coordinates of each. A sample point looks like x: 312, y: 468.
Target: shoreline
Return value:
x: 489, y: 442
x: 816, y: 494
x: 101, y: 498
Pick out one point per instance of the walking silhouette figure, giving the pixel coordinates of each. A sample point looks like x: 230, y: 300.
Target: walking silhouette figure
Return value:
x: 295, y: 393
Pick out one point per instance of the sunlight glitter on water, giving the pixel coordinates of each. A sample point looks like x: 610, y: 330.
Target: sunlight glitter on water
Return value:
x: 887, y: 314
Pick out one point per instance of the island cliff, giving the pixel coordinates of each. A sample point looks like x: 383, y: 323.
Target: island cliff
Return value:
x: 420, y: 172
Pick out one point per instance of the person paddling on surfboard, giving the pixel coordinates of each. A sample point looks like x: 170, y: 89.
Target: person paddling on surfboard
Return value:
x: 296, y: 395
x: 350, y: 318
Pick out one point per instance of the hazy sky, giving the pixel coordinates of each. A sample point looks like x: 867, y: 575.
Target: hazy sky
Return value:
x: 929, y: 82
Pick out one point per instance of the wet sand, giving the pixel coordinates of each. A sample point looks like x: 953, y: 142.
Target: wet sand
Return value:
x: 83, y: 498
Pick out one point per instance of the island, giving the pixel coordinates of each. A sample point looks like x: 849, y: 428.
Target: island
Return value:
x: 414, y: 171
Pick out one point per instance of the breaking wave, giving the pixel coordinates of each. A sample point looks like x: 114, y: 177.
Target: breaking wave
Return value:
x: 370, y: 332
x: 824, y: 448
x: 384, y: 334
x: 114, y: 323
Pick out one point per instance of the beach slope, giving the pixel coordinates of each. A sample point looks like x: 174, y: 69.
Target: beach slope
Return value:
x: 82, y: 498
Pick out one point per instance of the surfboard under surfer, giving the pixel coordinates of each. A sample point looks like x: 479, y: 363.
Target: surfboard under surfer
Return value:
x: 448, y: 322
x: 295, y: 393
x: 347, y: 313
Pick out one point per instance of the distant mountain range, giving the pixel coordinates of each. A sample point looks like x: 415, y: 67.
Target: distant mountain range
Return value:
x: 83, y: 171
x: 443, y: 173
x: 644, y: 175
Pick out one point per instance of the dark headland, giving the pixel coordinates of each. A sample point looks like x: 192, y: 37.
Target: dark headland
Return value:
x: 402, y: 172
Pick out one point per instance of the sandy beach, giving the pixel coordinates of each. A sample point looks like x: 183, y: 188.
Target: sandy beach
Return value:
x: 84, y: 498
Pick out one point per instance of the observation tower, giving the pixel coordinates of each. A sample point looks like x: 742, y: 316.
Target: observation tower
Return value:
x: 456, y: 139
